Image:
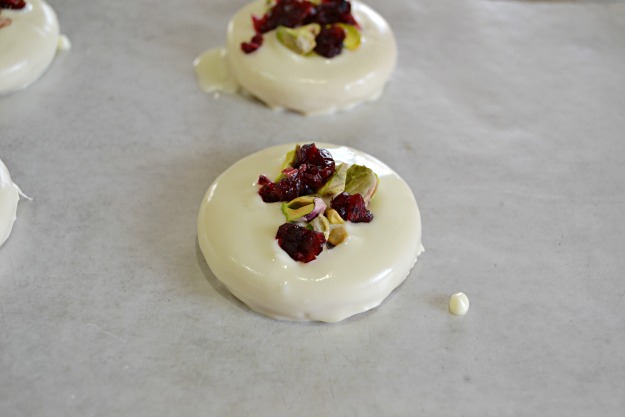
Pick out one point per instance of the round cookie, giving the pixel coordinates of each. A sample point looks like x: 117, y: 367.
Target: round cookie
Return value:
x: 236, y: 233
x: 309, y: 84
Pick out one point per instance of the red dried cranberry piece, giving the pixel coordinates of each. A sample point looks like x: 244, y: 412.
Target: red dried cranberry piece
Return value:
x: 285, y: 190
x: 332, y: 11
x: 315, y: 165
x: 289, y: 13
x: 263, y: 180
x: 294, y: 13
x: 254, y: 44
x: 330, y: 41
x: 249, y: 47
x: 302, y: 244
x: 12, y: 4
x: 310, y: 170
x: 259, y: 23
x: 351, y: 207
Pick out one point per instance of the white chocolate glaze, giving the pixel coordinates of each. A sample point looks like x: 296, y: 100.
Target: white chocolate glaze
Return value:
x: 312, y: 84
x: 213, y: 74
x: 236, y: 232
x: 9, y: 196
x: 459, y: 304
x: 27, y: 45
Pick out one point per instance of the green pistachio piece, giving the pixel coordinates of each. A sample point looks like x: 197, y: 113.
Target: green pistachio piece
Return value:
x: 301, y: 39
x: 296, y: 214
x: 288, y: 162
x: 338, y: 235
x: 336, y: 183
x: 289, y: 158
x: 352, y: 36
x: 361, y: 180
x: 298, y: 208
x: 334, y: 217
x: 322, y: 225
x: 301, y: 201
x: 304, y: 208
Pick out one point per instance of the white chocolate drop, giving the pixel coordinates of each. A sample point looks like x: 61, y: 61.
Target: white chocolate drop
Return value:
x: 459, y: 304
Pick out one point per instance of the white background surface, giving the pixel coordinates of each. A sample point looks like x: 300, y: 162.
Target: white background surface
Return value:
x: 507, y: 119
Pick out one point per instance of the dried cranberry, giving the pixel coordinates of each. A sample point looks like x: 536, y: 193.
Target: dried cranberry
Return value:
x: 315, y: 165
x: 332, y: 11
x: 294, y: 13
x: 351, y: 207
x: 285, y: 190
x: 12, y: 4
x: 330, y: 41
x: 302, y: 244
x: 263, y: 180
x: 254, y: 44
x: 311, y: 168
x: 289, y: 13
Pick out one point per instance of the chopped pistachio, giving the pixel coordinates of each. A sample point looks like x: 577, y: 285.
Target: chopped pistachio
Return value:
x: 301, y: 39
x: 338, y: 235
x: 322, y: 225
x: 303, y: 208
x: 289, y: 159
x: 288, y: 162
x: 352, y: 36
x: 336, y: 183
x: 301, y: 201
x: 334, y: 217
x: 361, y: 180
x: 293, y: 215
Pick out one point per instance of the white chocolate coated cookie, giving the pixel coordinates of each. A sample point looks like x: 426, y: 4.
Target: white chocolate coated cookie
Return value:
x: 9, y: 196
x: 236, y: 232
x: 310, y: 84
x: 27, y: 45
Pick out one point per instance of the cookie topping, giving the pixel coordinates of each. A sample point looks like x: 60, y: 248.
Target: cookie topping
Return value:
x: 303, y: 209
x: 352, y: 207
x: 252, y: 45
x: 309, y: 169
x: 330, y: 41
x: 302, y: 244
x: 301, y: 39
x: 322, y: 26
x: 361, y: 180
x: 12, y: 4
x: 308, y: 179
x: 315, y: 165
x: 336, y: 183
